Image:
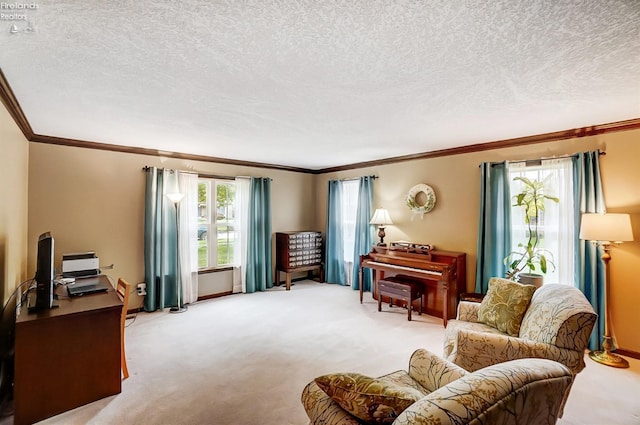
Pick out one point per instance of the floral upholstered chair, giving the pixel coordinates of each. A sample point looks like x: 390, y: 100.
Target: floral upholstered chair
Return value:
x: 436, y: 391
x: 554, y: 323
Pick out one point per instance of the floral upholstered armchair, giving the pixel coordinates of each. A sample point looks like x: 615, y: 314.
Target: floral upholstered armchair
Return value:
x: 554, y: 323
x: 436, y: 391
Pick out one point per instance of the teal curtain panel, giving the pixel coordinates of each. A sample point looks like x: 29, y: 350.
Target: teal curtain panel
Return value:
x: 259, y: 272
x: 160, y: 240
x: 334, y: 244
x: 494, y: 227
x: 364, y: 232
x: 590, y: 270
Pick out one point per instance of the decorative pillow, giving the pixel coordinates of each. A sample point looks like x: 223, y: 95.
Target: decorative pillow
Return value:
x: 505, y: 304
x: 369, y: 399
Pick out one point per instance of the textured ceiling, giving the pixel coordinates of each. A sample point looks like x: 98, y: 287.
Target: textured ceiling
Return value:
x: 316, y: 84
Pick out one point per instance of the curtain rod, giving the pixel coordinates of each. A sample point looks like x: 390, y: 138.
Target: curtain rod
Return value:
x: 215, y: 176
x: 147, y: 168
x: 531, y: 162
x: 358, y: 178
x: 210, y: 176
x: 204, y: 175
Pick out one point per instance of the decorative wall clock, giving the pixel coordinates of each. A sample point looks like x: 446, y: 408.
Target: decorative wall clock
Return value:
x: 421, y: 199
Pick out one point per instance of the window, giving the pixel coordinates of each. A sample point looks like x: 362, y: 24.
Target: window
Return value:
x: 216, y: 222
x: 556, y: 223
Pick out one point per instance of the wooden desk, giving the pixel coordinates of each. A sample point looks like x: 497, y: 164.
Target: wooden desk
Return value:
x: 67, y: 356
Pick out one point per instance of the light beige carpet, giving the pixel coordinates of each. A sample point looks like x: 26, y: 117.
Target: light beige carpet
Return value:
x: 244, y: 359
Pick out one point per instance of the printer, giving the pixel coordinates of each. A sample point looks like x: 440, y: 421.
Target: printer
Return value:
x: 80, y: 264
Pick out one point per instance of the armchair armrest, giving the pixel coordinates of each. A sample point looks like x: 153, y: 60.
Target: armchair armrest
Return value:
x: 468, y: 311
x: 473, y: 350
x: 432, y: 371
x: 322, y: 409
x: 531, y: 390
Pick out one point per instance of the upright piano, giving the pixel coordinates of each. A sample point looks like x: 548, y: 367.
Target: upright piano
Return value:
x: 442, y: 273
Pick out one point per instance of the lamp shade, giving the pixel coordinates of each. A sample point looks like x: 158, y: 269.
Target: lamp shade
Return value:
x: 606, y: 227
x: 381, y: 217
x: 175, y: 197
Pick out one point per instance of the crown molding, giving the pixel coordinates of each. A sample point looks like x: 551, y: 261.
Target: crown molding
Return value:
x: 15, y: 110
x: 39, y: 138
x: 632, y: 124
x: 13, y: 106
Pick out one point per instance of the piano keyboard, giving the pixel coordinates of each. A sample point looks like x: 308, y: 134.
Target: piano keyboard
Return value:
x: 405, y: 268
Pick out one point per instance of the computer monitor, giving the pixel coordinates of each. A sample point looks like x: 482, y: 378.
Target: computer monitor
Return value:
x: 45, y: 274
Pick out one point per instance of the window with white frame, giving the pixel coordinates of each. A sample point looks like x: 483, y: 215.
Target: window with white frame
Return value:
x: 556, y: 222
x: 216, y: 222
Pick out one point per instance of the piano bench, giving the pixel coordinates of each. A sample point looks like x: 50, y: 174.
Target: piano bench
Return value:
x: 400, y: 289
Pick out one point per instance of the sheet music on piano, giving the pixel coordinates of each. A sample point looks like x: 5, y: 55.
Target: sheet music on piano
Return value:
x: 411, y: 247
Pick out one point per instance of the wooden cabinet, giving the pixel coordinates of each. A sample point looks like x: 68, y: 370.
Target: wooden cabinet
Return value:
x: 299, y: 252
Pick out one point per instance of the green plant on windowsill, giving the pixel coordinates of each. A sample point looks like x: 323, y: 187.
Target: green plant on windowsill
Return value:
x: 530, y: 256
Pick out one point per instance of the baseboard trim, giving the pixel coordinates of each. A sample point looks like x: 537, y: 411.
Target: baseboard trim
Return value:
x: 217, y: 295
x: 628, y: 353
x: 200, y: 298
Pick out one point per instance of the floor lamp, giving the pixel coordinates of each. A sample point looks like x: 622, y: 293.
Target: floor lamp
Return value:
x: 607, y: 230
x: 180, y: 307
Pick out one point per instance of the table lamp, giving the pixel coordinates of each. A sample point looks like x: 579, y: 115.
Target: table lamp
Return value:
x: 608, y: 231
x: 381, y: 219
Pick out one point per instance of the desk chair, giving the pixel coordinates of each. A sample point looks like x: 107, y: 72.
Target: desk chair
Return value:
x: 124, y: 289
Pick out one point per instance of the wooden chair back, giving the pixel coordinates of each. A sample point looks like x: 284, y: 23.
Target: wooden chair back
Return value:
x: 124, y: 290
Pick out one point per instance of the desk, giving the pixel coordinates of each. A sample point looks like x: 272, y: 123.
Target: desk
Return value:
x: 67, y: 356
